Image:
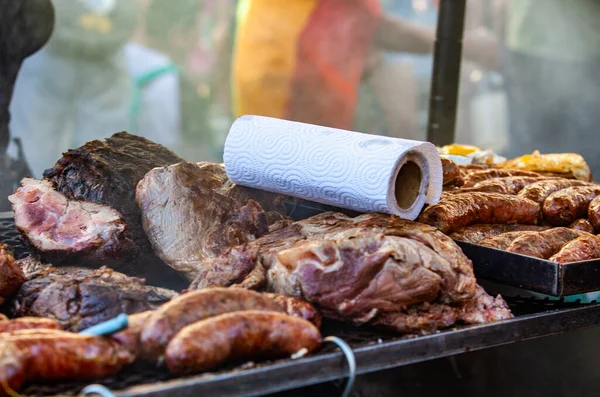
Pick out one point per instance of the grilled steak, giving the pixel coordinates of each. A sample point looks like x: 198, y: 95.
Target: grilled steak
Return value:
x: 11, y: 276
x: 191, y: 212
x: 359, y: 269
x: 476, y: 233
x: 107, y: 172
x: 63, y: 230
x: 79, y: 298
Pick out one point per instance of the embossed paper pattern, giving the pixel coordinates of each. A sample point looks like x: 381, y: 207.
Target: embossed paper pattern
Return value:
x: 331, y: 166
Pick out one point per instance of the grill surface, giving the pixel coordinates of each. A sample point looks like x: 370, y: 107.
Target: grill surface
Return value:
x: 373, y: 350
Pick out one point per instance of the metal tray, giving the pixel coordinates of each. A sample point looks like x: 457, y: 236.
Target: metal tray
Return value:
x: 533, y: 274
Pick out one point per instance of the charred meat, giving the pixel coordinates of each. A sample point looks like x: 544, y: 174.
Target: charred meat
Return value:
x: 79, y: 298
x: 107, y: 172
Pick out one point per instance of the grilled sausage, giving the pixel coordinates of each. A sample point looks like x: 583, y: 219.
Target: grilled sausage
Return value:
x: 544, y: 244
x: 28, y: 323
x: 540, y: 190
x: 509, y: 185
x: 194, y: 306
x: 475, y: 233
x: 450, y: 171
x: 51, y: 355
x: 459, y: 210
x: 584, y: 225
x: 583, y: 248
x: 594, y: 213
x: 474, y: 177
x: 297, y: 308
x: 502, y: 241
x: 130, y: 338
x: 11, y: 275
x: 565, y: 206
x: 237, y: 337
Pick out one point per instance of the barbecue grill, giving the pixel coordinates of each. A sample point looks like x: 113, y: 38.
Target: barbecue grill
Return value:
x: 373, y: 351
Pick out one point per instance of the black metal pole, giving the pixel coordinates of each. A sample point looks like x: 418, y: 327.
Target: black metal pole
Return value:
x: 25, y: 26
x: 445, y: 79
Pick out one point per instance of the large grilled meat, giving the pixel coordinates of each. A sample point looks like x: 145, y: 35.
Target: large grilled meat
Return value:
x: 191, y: 212
x: 79, y: 298
x: 374, y: 268
x: 63, y: 230
x: 107, y: 172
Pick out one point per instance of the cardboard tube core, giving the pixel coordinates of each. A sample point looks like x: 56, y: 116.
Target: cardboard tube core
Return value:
x: 408, y: 184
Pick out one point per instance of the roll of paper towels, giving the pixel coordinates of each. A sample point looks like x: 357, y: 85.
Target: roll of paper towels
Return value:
x: 361, y: 172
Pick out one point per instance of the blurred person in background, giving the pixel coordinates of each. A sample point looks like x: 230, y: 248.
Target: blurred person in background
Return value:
x: 402, y: 82
x: 88, y: 83
x: 196, y: 34
x: 306, y: 60
x: 552, y: 63
x: 172, y: 27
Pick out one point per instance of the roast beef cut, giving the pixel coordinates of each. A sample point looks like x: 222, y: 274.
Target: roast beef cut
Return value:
x: 63, y: 230
x: 374, y: 268
x: 107, y: 172
x: 79, y: 298
x: 191, y: 212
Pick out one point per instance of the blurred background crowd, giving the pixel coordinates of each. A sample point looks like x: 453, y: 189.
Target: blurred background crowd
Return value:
x: 179, y: 71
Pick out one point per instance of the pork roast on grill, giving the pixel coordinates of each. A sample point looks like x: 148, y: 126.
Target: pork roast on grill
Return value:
x: 191, y: 212
x: 79, y: 298
x: 107, y: 172
x: 374, y: 269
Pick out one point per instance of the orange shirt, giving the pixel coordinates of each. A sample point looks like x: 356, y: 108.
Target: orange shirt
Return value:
x: 302, y: 59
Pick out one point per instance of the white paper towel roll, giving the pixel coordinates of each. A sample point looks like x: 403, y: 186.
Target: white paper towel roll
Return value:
x: 361, y: 172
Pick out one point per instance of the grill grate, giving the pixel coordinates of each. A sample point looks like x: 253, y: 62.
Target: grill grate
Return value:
x: 140, y: 374
x: 11, y: 237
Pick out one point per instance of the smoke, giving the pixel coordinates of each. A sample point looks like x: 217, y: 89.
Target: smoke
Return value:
x: 553, y: 86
